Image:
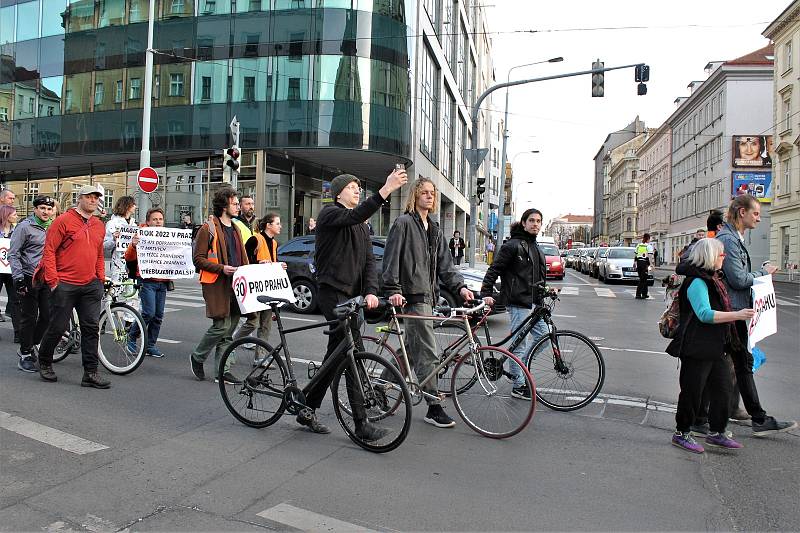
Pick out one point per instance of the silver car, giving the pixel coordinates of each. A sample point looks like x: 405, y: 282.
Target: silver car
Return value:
x: 599, y: 257
x: 619, y: 266
x: 585, y: 265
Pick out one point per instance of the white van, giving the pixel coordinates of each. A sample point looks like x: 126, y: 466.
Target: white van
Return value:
x: 545, y: 239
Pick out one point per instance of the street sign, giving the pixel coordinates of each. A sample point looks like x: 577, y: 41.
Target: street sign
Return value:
x: 147, y: 178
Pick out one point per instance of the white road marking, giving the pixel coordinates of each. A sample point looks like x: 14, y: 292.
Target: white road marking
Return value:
x: 787, y: 303
x: 565, y: 316
x: 303, y: 520
x: 580, y: 279
x: 630, y: 350
x: 48, y: 435
x: 569, y: 291
x: 604, y: 292
x: 168, y: 341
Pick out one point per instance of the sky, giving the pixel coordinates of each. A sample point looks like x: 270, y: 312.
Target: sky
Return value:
x: 561, y: 119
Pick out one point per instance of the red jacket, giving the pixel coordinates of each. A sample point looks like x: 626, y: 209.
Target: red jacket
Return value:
x: 73, y: 250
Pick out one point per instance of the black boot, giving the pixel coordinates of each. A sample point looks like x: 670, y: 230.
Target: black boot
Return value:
x: 92, y: 379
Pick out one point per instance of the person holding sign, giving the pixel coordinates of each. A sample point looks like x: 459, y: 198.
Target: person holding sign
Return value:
x: 744, y: 213
x: 27, y: 245
x: 704, y: 335
x: 218, y: 251
x: 262, y: 248
x: 8, y: 219
x: 345, y: 269
x: 152, y: 295
x: 124, y: 210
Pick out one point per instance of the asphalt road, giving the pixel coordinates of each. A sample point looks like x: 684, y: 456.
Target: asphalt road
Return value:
x: 159, y: 451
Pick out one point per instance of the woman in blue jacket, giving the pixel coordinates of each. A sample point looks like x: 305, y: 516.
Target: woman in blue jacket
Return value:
x: 704, y: 335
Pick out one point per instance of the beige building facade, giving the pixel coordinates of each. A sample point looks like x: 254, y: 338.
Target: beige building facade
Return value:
x: 784, y: 236
x: 620, y: 210
x: 654, y: 178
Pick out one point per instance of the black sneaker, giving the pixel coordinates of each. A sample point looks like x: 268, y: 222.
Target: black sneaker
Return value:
x: 307, y: 417
x: 370, y: 432
x: 26, y: 362
x: 523, y: 393
x: 46, y: 371
x: 229, y: 378
x: 437, y: 417
x: 770, y: 426
x: 93, y: 379
x: 197, y: 369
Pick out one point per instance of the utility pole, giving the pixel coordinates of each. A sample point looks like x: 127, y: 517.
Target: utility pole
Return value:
x: 143, y: 200
x: 475, y: 155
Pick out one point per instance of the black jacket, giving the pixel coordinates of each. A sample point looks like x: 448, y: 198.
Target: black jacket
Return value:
x: 695, y: 339
x: 411, y: 264
x: 343, y: 249
x: 457, y: 252
x: 521, y: 265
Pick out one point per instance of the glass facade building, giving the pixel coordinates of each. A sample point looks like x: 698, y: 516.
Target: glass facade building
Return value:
x: 318, y: 86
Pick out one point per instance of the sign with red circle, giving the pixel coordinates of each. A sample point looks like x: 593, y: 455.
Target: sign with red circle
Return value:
x: 147, y: 179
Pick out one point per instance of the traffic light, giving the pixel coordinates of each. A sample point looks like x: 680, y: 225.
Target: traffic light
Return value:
x: 597, y: 80
x: 642, y: 76
x: 231, y: 163
x: 481, y: 189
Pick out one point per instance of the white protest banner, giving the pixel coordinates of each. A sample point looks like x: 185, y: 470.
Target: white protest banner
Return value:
x: 165, y: 253
x: 5, y: 246
x: 765, y: 321
x: 252, y: 281
x: 126, y: 234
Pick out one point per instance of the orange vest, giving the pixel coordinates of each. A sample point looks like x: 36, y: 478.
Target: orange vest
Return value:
x: 262, y: 253
x: 213, y: 255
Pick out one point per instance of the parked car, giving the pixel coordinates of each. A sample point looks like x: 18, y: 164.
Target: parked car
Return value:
x: 555, y: 266
x: 599, y: 256
x: 586, y: 260
x: 568, y: 257
x: 619, y: 266
x: 298, y: 254
x: 576, y: 263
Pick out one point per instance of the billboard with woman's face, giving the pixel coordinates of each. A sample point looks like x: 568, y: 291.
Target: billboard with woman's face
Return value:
x: 752, y: 151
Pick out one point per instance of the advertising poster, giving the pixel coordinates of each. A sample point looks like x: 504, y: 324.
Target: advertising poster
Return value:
x: 758, y: 184
x: 327, y: 198
x: 752, y: 151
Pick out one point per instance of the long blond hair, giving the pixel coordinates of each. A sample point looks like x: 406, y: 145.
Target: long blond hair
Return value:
x: 411, y: 200
x: 743, y: 201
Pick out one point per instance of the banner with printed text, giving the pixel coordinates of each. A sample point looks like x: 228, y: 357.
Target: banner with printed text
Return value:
x: 126, y: 234
x: 252, y: 281
x: 765, y: 321
x: 5, y: 246
x: 165, y: 253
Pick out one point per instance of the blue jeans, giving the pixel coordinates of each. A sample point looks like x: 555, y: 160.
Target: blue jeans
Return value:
x: 153, y: 296
x: 517, y: 315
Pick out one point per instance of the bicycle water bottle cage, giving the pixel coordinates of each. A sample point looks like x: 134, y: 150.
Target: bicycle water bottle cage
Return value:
x: 312, y: 369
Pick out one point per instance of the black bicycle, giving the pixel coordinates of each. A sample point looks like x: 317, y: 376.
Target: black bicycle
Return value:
x: 259, y: 391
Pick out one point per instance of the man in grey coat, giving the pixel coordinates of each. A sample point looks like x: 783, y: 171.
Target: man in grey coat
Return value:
x: 416, y: 258
x: 27, y: 245
x: 744, y: 213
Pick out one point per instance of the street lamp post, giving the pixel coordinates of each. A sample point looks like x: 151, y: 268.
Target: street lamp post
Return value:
x: 501, y: 201
x: 514, y: 189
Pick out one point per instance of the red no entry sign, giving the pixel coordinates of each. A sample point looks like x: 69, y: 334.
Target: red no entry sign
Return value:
x: 147, y: 179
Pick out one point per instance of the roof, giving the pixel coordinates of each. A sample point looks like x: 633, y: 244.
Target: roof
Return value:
x: 574, y: 219
x: 763, y: 56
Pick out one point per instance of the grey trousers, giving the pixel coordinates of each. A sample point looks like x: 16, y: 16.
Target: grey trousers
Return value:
x: 421, y: 347
x: 261, y: 323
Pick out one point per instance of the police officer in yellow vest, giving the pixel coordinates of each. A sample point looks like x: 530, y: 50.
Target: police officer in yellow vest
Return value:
x: 262, y: 248
x: 218, y: 251
x: 644, y: 258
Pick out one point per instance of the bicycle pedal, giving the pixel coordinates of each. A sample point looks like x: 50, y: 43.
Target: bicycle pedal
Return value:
x: 305, y: 414
x: 312, y: 369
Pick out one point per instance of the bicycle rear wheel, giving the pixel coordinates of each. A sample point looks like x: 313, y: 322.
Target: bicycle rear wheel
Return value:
x: 255, y: 394
x: 481, y: 388
x: 449, y: 337
x: 386, y: 402
x: 379, y: 347
x: 574, y: 379
x: 117, y: 350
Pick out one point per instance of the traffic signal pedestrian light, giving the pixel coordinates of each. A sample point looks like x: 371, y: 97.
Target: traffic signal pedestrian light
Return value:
x: 597, y: 80
x: 481, y: 189
x: 232, y: 158
x: 642, y: 76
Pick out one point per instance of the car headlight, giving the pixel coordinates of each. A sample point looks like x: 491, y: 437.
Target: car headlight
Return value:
x: 556, y: 263
x: 613, y: 268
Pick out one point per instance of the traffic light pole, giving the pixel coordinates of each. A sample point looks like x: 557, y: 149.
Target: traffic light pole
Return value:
x: 475, y: 161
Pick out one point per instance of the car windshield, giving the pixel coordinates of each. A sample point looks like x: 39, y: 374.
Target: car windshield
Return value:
x: 604, y: 252
x: 625, y: 253
x: 548, y: 249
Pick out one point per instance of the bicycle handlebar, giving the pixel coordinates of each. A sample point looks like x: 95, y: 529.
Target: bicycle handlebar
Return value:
x: 452, y: 311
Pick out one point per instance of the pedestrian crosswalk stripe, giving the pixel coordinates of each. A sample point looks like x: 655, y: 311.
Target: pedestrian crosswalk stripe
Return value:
x: 787, y: 303
x: 569, y: 291
x: 304, y: 520
x: 606, y: 293
x: 48, y: 435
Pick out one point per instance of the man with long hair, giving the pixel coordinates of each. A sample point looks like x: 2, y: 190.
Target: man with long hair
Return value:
x: 415, y: 260
x: 218, y: 251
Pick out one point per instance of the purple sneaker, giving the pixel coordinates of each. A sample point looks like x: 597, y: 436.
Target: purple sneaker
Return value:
x: 687, y: 442
x: 722, y: 440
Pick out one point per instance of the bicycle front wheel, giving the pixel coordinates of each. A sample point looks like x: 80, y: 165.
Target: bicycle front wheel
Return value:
x: 117, y: 349
x: 252, y: 385
x: 570, y: 370
x: 482, y: 388
x: 374, y: 408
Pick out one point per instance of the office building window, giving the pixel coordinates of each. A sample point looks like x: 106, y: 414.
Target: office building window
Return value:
x: 429, y: 106
x: 118, y: 92
x: 176, y: 84
x: 447, y: 132
x: 205, y: 88
x: 786, y: 183
x: 294, y: 89
x: 787, y: 55
x: 249, y: 94
x: 99, y: 91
